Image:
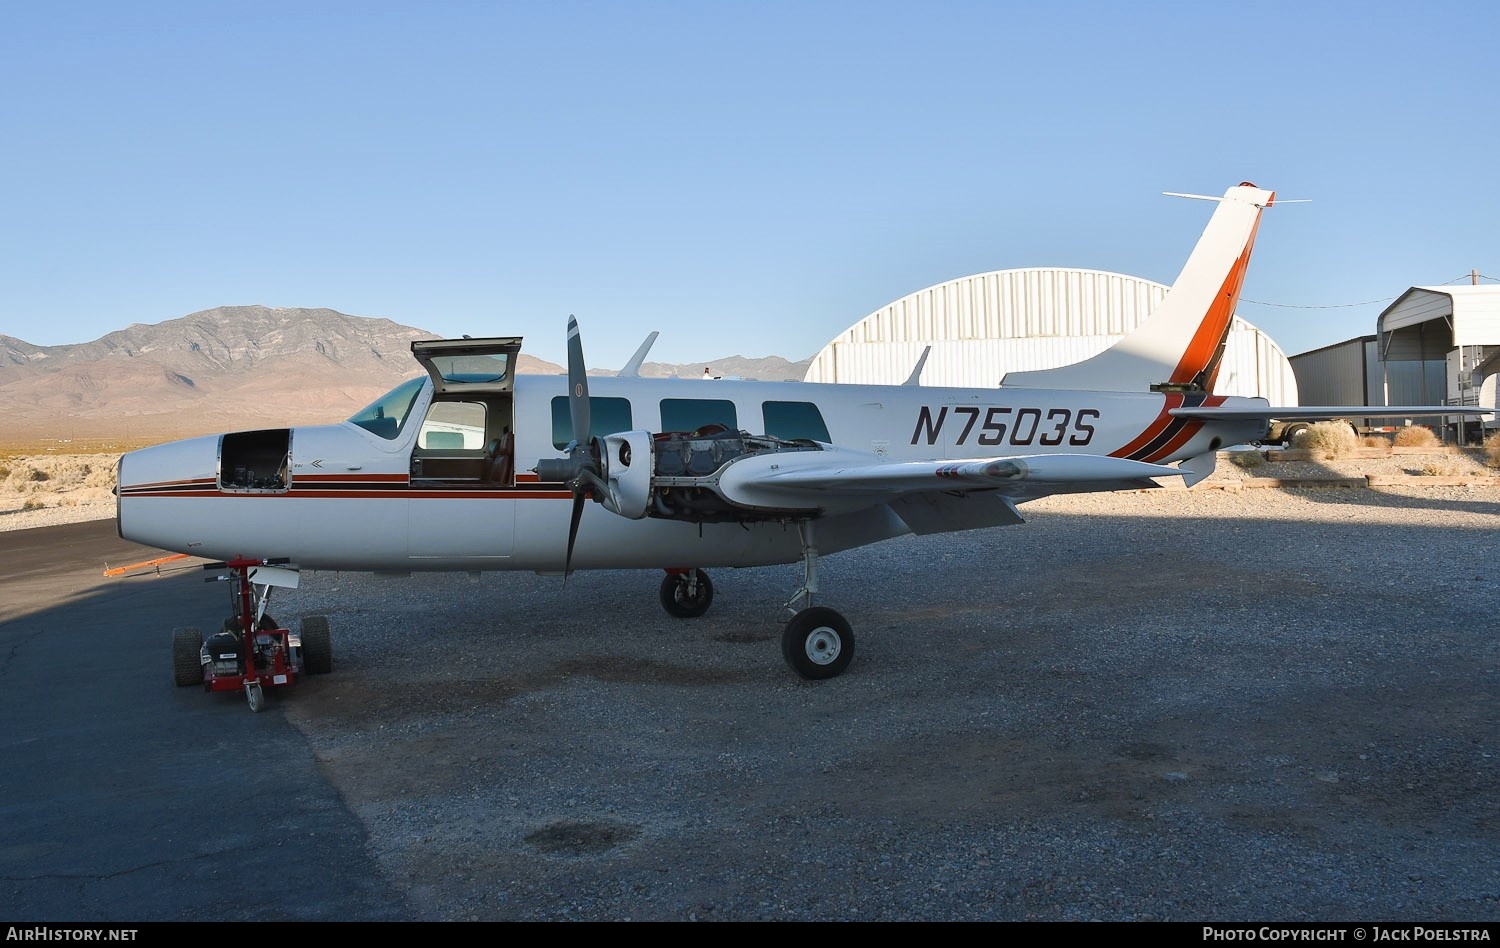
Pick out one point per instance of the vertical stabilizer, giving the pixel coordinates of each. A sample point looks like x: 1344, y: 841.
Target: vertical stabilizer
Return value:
x: 1179, y: 346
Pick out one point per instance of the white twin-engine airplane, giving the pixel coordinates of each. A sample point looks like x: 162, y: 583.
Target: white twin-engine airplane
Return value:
x: 460, y: 470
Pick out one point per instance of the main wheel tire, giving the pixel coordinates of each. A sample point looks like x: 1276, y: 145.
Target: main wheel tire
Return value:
x: 818, y: 643
x: 187, y: 657
x: 317, y: 646
x: 678, y: 602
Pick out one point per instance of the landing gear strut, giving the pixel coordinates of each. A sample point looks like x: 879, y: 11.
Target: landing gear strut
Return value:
x: 817, y: 642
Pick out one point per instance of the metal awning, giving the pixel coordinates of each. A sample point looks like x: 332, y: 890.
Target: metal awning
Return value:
x: 1427, y: 322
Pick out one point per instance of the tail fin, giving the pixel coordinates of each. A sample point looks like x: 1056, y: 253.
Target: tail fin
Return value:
x: 1179, y: 346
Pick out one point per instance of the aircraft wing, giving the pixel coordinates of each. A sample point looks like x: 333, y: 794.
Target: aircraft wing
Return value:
x: 842, y: 480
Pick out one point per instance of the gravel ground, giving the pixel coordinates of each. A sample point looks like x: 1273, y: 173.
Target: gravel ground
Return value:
x: 1170, y: 705
x: 1257, y: 705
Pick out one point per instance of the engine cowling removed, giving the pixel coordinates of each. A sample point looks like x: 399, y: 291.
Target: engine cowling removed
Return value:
x: 675, y: 475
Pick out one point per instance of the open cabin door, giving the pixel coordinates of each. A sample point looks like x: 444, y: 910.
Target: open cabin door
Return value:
x: 464, y: 451
x: 468, y: 436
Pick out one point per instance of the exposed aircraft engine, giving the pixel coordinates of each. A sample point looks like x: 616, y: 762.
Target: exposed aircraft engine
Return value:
x: 675, y: 475
x: 685, y: 482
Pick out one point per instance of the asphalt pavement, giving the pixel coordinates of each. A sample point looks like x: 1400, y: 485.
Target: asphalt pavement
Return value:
x: 126, y: 799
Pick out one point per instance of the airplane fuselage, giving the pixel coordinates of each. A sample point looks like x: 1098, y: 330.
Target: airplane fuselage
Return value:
x: 344, y: 496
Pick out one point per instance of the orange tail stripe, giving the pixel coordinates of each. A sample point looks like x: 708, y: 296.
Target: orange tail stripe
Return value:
x: 1215, y: 325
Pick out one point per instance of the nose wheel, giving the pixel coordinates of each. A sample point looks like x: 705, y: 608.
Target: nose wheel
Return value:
x: 686, y: 594
x: 818, y: 643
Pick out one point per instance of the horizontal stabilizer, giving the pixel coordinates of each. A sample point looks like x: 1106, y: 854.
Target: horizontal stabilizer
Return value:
x: 1325, y: 412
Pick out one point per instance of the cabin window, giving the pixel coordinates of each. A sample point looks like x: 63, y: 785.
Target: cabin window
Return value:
x: 795, y: 421
x: 606, y: 416
x: 693, y: 414
x: 453, y: 426
x: 387, y: 415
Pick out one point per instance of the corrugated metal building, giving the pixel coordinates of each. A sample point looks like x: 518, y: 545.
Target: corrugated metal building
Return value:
x: 1448, y: 330
x: 1435, y: 345
x: 1449, y: 337
x: 983, y: 326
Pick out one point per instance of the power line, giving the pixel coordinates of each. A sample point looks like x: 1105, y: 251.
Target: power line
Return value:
x: 1457, y: 279
x: 1330, y: 306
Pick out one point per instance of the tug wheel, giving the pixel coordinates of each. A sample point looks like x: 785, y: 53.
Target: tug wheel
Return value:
x: 187, y: 658
x: 317, y: 646
x: 232, y: 624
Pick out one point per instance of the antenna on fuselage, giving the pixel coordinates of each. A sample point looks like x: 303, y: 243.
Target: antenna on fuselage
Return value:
x: 633, y: 367
x: 916, y: 373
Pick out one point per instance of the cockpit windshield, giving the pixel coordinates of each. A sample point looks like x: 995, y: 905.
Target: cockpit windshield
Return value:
x: 387, y: 415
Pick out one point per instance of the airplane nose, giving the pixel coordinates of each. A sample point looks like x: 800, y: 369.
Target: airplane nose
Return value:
x: 119, y: 508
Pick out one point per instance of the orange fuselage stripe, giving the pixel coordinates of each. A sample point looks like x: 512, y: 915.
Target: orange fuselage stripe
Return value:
x: 1157, y: 426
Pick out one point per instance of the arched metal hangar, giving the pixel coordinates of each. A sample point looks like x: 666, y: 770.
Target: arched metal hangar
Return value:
x: 983, y: 326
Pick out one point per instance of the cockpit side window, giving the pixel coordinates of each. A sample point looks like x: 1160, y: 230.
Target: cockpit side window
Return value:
x: 387, y: 415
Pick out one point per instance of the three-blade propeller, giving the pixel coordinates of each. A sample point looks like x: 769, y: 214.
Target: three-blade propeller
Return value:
x: 583, y: 468
x: 599, y: 468
x: 582, y: 451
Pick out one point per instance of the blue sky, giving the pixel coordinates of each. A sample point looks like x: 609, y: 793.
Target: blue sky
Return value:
x: 748, y: 178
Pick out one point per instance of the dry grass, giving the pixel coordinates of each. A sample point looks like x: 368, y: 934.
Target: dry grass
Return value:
x: 52, y: 447
x: 1329, y: 440
x: 1249, y: 460
x: 35, y: 482
x: 1450, y: 466
x: 1415, y: 436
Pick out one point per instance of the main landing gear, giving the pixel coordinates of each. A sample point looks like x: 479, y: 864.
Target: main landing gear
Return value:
x: 817, y: 642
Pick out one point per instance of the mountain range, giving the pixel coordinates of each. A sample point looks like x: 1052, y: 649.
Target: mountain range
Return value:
x: 238, y: 367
